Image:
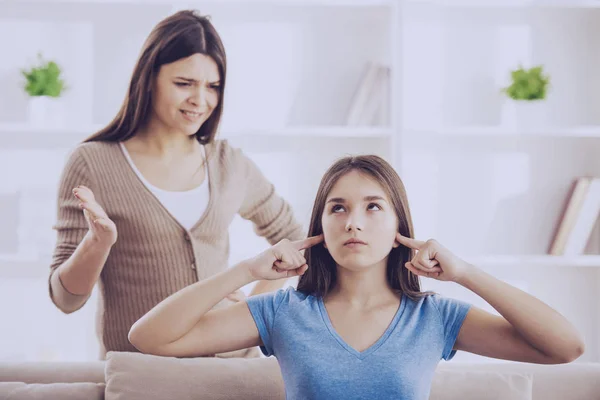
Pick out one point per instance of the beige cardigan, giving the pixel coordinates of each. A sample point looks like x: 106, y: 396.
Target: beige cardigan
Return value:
x: 154, y: 255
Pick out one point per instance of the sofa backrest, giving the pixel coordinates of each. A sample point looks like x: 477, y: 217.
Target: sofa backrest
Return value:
x: 574, y: 381
x: 52, y: 372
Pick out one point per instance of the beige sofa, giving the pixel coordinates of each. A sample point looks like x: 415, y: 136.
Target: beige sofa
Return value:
x: 135, y: 376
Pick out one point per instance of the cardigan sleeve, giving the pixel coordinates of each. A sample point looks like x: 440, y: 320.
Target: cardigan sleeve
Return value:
x: 70, y: 228
x: 272, y: 216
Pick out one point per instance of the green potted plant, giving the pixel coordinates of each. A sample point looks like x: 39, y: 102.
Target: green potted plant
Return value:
x: 525, y: 106
x: 44, y: 85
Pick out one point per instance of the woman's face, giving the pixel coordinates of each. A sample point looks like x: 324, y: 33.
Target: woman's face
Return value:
x: 186, y: 93
x: 359, y: 222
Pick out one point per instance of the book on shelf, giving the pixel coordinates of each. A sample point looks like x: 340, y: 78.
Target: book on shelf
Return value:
x: 578, y: 218
x: 370, y: 103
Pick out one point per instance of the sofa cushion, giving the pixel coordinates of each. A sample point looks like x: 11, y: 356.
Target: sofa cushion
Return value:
x: 135, y: 376
x: 51, y: 391
x: 476, y: 385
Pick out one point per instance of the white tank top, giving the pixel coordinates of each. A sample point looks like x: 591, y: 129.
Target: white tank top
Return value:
x: 186, y: 207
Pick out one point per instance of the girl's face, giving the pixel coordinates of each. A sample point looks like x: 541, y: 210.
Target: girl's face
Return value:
x: 359, y: 222
x: 186, y: 93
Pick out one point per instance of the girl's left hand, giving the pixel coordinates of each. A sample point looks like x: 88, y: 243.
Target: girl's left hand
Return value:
x: 433, y: 260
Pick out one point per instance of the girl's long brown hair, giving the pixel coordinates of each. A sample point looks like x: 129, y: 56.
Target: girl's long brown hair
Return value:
x: 178, y: 36
x: 321, y: 275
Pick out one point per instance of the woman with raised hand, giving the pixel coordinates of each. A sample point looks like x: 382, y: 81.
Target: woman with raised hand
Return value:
x: 358, y: 325
x: 145, y: 205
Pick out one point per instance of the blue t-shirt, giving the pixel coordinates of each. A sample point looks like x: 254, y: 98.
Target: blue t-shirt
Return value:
x: 316, y: 363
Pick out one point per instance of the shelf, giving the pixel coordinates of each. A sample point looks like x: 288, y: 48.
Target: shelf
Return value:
x: 26, y: 136
x: 27, y: 266
x: 492, y: 131
x: 586, y: 261
x: 313, y: 132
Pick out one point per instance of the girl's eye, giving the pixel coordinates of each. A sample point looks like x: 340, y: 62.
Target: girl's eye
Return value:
x: 337, y: 208
x: 182, y: 83
x: 375, y: 205
x: 215, y: 87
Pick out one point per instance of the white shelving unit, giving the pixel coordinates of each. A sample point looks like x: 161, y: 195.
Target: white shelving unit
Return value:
x: 484, y: 188
x: 499, y: 131
x: 534, y: 261
x: 479, y: 187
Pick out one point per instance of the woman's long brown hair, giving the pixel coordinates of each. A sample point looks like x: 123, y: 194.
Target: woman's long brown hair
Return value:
x: 178, y: 36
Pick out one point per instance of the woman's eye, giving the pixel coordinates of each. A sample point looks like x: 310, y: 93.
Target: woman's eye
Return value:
x: 337, y: 208
x: 182, y: 83
x: 373, y: 206
x: 215, y: 87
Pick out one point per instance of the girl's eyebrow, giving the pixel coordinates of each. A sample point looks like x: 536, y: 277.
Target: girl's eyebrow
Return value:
x: 366, y: 198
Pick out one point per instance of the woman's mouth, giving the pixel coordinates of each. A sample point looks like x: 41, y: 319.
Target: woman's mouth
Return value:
x: 191, y: 116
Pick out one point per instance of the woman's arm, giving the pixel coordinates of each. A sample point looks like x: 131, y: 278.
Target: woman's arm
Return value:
x: 528, y: 330
x: 184, y: 325
x: 272, y: 215
x: 84, y: 238
x: 80, y: 272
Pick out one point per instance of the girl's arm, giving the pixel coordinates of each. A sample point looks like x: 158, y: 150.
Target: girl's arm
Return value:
x: 528, y: 330
x: 183, y: 325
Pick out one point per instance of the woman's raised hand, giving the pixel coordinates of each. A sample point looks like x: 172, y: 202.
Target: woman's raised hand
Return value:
x: 283, y: 260
x: 102, y: 229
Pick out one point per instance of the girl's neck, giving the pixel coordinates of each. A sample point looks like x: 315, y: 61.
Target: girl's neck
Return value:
x: 363, y: 289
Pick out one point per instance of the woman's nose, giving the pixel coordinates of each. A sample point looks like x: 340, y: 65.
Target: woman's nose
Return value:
x: 199, y: 96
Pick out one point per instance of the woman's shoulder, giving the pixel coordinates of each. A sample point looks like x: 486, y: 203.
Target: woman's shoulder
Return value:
x: 225, y: 154
x: 87, y: 149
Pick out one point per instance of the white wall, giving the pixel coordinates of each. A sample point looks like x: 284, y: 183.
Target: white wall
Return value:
x: 479, y: 195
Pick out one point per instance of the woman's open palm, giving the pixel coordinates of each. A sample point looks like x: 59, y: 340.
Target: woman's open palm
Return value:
x: 102, y: 228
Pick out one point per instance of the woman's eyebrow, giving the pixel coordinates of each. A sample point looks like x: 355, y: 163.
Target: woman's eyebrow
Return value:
x: 194, y: 80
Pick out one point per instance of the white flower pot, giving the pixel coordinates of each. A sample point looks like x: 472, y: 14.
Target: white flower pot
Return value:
x: 525, y: 115
x: 45, y: 111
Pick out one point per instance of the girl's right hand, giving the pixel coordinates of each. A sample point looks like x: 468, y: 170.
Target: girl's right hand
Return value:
x: 282, y: 260
x: 101, y: 228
